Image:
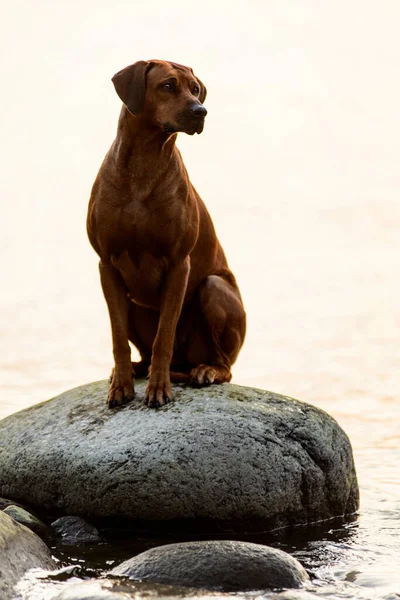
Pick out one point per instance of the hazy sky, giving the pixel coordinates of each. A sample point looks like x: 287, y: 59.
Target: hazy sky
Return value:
x: 303, y: 96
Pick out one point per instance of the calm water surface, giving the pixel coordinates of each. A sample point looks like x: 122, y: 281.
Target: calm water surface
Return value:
x: 298, y: 165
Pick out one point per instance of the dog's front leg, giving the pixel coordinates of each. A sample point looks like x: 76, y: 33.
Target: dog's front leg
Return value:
x: 159, y: 390
x: 121, y: 388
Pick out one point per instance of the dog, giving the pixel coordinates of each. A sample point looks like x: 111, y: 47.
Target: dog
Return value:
x: 163, y: 272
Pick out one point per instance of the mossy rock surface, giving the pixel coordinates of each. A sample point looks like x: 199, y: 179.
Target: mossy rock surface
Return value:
x: 223, y: 454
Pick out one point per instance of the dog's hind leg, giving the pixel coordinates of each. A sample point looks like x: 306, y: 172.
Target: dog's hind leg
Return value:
x: 224, y: 326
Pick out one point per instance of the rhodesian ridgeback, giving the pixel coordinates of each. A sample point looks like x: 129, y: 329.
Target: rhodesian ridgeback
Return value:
x: 164, y: 274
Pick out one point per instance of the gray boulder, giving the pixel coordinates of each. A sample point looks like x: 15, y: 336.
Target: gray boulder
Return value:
x: 223, y: 454
x: 224, y: 565
x: 20, y: 550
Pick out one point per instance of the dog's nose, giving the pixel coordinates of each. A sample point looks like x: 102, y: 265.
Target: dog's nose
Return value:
x: 199, y: 111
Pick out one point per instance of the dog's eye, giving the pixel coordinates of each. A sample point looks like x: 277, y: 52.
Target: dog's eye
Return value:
x: 196, y: 90
x: 169, y: 87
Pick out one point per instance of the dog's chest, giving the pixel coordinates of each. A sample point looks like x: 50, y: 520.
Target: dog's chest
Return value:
x: 151, y: 227
x: 143, y: 276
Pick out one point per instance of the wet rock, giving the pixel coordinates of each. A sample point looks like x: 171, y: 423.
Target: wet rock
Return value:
x: 74, y: 530
x: 226, y: 454
x: 26, y: 518
x: 224, y: 565
x: 20, y: 550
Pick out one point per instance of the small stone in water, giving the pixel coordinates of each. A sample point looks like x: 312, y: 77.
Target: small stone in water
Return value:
x: 74, y: 530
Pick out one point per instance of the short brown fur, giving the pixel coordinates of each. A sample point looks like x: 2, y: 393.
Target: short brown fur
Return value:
x: 164, y: 274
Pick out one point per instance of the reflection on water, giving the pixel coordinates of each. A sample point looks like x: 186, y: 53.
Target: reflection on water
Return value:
x: 300, y: 173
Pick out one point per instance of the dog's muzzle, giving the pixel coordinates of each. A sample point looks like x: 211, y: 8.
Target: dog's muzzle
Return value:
x: 198, y: 111
x: 189, y: 121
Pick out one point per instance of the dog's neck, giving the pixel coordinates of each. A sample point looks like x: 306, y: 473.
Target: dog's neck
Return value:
x: 137, y: 139
x: 147, y: 159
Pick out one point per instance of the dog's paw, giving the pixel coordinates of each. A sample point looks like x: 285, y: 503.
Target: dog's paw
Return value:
x: 118, y: 395
x: 158, y: 392
x: 206, y: 375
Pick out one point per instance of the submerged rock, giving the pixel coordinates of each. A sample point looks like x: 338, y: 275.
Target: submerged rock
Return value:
x: 224, y: 453
x: 20, y: 550
x: 224, y: 565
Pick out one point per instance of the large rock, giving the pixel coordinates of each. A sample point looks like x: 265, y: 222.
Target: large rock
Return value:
x: 20, y: 550
x: 225, y: 453
x: 224, y: 565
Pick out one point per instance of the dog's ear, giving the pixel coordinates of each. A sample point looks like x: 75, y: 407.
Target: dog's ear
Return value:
x: 130, y: 85
x: 203, y: 91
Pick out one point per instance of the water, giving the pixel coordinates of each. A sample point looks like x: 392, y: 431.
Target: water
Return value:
x: 298, y: 165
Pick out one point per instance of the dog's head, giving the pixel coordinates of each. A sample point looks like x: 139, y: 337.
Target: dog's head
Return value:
x: 167, y: 95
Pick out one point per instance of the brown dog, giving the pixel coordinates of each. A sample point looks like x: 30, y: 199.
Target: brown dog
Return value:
x: 163, y: 272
